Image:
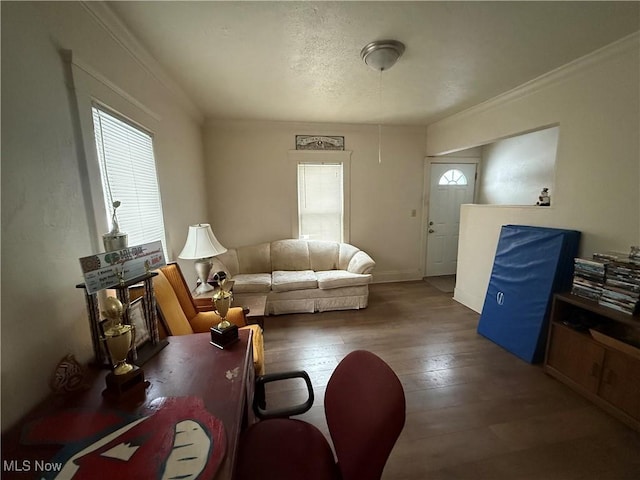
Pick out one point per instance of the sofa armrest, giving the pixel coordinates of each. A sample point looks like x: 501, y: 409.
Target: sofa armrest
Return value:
x: 361, y: 263
x: 218, y: 266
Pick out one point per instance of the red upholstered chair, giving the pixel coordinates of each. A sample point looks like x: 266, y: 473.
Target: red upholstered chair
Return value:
x: 365, y: 410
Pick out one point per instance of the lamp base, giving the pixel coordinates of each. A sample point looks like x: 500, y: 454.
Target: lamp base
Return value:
x: 203, y: 288
x: 223, y: 337
x: 203, y: 268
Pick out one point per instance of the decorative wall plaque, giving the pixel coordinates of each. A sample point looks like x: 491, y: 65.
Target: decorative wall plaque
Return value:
x: 319, y: 142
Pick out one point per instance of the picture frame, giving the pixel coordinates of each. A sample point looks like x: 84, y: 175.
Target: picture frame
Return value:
x: 138, y: 320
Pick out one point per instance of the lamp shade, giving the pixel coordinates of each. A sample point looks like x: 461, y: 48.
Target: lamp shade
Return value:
x: 201, y: 243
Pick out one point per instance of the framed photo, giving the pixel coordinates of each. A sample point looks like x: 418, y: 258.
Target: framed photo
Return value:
x: 319, y: 142
x: 137, y: 319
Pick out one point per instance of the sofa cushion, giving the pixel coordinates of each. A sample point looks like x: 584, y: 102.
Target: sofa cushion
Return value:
x: 323, y: 255
x: 290, y: 255
x: 255, y: 258
x: 341, y: 278
x: 284, y: 281
x: 252, y: 283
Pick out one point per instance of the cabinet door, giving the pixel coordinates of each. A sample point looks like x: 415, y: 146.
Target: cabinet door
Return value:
x: 576, y: 356
x: 620, y: 384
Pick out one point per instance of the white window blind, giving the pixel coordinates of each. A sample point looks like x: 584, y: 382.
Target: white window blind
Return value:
x: 128, y: 173
x: 320, y: 201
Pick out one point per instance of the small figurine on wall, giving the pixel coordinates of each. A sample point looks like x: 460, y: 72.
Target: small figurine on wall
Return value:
x: 544, y: 200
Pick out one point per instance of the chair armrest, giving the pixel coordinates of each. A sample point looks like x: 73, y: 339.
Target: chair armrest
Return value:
x: 259, y: 399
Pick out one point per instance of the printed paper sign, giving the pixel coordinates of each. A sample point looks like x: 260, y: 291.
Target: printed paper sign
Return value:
x: 106, y: 270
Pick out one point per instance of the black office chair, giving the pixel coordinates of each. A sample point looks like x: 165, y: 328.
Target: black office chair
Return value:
x: 365, y: 411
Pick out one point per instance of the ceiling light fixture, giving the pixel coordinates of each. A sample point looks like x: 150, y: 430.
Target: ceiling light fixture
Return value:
x: 381, y: 55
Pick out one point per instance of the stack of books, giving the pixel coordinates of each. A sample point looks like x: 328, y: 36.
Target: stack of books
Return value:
x: 621, y: 290
x: 611, y: 256
x: 589, y: 278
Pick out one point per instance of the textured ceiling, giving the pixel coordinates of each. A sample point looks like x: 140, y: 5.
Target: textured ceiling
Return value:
x: 300, y: 61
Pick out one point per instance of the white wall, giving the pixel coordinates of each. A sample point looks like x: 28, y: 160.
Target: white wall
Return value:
x: 46, y: 225
x: 515, y: 170
x: 251, y: 185
x: 479, y: 232
x: 596, y: 103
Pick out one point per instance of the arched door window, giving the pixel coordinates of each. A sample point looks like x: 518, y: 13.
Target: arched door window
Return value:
x: 453, y: 177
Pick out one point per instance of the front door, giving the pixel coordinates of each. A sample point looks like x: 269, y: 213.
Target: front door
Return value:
x: 452, y: 184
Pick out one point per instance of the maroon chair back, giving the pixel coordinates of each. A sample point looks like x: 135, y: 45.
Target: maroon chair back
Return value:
x: 365, y: 408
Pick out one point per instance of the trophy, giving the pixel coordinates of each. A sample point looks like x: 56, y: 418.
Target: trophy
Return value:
x: 221, y: 304
x: 119, y: 340
x: 115, y: 239
x: 225, y: 333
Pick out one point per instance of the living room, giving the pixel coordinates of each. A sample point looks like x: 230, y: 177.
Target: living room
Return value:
x: 241, y: 163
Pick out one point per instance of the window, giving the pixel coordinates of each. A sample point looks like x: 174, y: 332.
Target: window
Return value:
x: 320, y: 201
x: 128, y: 174
x: 453, y: 177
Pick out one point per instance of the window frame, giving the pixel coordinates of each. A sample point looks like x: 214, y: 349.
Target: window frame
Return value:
x: 90, y: 88
x: 448, y: 183
x: 335, y: 157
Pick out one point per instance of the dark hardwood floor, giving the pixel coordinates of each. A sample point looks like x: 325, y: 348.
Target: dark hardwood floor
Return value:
x: 474, y: 410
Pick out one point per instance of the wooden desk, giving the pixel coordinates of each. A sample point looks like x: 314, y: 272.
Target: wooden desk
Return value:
x: 188, y: 366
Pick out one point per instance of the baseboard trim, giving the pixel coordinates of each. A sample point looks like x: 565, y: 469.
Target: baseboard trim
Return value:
x: 396, y: 276
x: 467, y: 300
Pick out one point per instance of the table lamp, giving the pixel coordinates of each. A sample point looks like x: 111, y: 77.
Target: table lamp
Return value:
x: 201, y: 246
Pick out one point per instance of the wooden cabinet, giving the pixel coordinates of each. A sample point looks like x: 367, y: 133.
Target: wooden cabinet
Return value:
x: 606, y: 374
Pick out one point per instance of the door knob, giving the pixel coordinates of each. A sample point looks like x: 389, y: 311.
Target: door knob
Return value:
x: 431, y: 230
x: 430, y: 223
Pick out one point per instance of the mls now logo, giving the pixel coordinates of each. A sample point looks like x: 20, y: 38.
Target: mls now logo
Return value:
x: 28, y: 466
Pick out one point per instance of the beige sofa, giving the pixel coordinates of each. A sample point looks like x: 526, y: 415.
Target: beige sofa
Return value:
x: 299, y: 276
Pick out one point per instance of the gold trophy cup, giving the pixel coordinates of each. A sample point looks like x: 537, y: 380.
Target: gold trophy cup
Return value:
x: 221, y: 305
x: 225, y: 333
x: 119, y: 339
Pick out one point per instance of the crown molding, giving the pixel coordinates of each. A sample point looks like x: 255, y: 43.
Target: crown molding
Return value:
x: 70, y: 57
x: 557, y: 75
x: 112, y: 24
